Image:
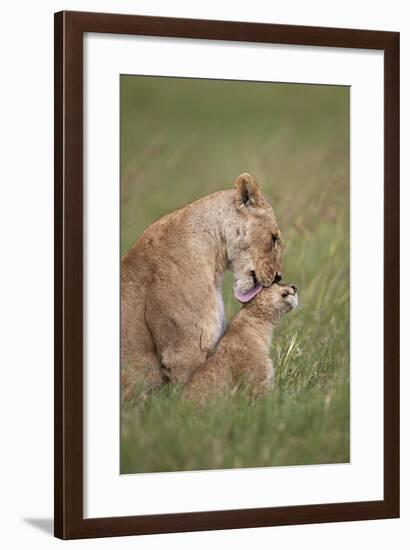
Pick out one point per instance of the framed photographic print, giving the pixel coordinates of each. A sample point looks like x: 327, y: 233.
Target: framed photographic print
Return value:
x: 227, y: 275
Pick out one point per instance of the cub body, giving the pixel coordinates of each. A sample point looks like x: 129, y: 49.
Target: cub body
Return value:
x: 243, y: 352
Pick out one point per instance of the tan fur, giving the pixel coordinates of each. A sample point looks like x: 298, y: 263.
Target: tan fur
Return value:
x: 171, y: 303
x: 242, y: 354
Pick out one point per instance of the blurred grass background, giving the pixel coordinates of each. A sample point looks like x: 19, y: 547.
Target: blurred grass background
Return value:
x: 182, y: 139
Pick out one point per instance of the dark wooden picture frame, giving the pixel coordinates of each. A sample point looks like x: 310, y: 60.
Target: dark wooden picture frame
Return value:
x: 69, y: 30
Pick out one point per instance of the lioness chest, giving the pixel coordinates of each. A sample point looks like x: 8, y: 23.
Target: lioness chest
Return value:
x: 220, y: 317
x: 215, y: 324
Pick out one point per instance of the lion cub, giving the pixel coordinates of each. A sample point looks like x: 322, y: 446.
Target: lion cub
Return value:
x: 243, y: 351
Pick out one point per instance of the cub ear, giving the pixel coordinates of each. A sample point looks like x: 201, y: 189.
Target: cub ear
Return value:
x: 247, y: 191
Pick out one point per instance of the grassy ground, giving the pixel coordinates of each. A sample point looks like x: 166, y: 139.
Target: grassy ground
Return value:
x: 182, y: 139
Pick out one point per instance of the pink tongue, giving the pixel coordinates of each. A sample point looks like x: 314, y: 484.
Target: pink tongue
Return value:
x: 248, y: 295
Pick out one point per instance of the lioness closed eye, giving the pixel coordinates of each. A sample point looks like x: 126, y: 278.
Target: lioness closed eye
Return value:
x: 243, y: 352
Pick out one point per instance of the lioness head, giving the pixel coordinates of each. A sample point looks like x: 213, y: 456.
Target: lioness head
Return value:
x: 254, y: 247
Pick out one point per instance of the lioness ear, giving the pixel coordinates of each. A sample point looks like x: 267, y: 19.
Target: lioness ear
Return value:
x: 247, y: 191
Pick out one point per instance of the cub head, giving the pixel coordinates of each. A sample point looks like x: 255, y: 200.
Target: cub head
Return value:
x: 279, y: 297
x: 283, y: 296
x: 254, y: 241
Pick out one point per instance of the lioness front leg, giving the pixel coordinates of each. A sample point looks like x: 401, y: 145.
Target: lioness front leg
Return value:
x: 181, y: 337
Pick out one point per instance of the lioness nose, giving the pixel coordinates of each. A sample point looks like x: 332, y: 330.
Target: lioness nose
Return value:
x: 294, y: 288
x: 278, y: 277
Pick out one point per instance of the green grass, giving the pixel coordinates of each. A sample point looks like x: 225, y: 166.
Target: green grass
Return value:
x: 182, y: 139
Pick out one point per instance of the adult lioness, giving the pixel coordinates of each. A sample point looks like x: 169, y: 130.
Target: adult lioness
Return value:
x: 172, y: 311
